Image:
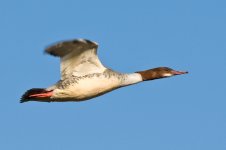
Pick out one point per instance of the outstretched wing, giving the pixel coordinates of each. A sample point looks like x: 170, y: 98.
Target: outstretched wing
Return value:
x: 78, y: 57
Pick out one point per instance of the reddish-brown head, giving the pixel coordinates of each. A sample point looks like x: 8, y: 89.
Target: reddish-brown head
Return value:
x: 160, y: 72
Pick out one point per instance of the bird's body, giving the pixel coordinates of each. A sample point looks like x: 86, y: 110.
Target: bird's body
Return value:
x: 84, y: 77
x: 78, y: 88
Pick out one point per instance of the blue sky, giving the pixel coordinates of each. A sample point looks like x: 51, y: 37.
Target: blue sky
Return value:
x: 180, y: 113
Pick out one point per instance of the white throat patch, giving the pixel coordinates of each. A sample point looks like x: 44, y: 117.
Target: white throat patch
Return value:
x: 167, y: 75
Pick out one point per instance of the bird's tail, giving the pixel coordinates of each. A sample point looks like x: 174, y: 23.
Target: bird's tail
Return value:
x: 36, y: 94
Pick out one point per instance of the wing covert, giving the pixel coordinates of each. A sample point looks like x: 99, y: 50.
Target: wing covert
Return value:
x: 78, y: 57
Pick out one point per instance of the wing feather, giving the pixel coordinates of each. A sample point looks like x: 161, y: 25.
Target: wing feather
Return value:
x: 78, y: 57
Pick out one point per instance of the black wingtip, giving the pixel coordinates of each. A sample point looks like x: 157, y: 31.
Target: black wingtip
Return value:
x: 60, y: 49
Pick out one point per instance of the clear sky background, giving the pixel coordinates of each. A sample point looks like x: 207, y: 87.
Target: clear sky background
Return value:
x: 180, y: 113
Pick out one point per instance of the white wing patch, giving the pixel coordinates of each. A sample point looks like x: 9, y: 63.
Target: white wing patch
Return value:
x: 78, y: 57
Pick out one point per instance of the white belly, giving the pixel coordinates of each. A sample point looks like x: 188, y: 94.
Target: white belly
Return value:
x: 86, y: 88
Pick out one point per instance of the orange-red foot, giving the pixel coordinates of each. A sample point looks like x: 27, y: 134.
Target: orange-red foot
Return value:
x: 42, y: 95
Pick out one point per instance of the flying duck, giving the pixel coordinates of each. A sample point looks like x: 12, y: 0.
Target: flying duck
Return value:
x: 84, y: 77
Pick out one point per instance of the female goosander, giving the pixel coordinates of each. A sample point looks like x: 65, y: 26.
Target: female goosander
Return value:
x: 84, y: 77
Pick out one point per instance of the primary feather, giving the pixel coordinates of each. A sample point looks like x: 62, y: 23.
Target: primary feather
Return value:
x: 78, y: 57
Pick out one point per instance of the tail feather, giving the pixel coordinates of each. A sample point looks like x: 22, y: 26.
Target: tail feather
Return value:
x: 33, y: 94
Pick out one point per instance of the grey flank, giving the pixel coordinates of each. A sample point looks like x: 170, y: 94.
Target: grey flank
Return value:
x: 108, y: 73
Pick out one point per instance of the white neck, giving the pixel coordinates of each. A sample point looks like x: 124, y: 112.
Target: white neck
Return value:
x: 132, y: 78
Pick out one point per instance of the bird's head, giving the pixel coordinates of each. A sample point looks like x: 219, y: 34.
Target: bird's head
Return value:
x: 160, y: 72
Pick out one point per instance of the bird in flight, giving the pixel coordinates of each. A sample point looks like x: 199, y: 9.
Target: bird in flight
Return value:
x: 84, y: 77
